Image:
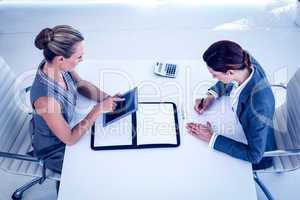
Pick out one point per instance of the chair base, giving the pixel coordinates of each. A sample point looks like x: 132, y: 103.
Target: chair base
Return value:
x: 57, y: 186
x: 263, y: 187
x: 18, y: 194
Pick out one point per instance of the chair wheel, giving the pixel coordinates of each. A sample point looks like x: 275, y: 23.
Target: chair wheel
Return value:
x: 16, y: 196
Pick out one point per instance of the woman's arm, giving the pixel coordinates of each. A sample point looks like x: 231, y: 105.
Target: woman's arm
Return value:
x: 257, y: 132
x: 221, y: 89
x: 50, y: 110
x: 87, y: 89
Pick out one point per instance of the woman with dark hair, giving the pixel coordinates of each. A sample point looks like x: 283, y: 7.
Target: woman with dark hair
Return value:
x: 53, y: 94
x: 242, y: 78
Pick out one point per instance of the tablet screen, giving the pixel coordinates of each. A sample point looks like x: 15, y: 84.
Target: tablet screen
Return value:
x: 123, y: 108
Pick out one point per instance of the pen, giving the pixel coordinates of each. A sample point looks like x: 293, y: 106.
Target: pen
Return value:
x: 182, y: 112
x: 201, y: 103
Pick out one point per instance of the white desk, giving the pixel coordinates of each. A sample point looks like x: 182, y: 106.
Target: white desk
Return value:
x: 191, y: 171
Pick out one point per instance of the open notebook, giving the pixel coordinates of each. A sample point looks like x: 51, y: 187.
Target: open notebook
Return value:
x: 155, y: 124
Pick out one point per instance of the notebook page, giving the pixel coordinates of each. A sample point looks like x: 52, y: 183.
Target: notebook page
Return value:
x: 156, y: 124
x: 117, y: 133
x: 223, y: 119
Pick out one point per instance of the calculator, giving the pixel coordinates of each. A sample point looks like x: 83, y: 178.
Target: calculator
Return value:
x: 165, y: 69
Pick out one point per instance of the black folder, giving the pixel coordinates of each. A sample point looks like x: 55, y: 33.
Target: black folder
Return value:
x: 134, y: 144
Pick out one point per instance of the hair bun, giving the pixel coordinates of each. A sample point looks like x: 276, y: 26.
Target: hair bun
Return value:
x: 246, y: 59
x: 43, y: 38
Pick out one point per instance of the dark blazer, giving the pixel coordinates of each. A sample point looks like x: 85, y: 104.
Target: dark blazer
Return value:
x: 255, y: 112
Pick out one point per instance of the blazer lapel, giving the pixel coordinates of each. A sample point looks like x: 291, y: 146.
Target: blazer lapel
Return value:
x: 257, y: 82
x: 246, y: 94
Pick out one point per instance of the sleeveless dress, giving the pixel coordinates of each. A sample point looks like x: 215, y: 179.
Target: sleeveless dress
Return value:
x: 43, y: 138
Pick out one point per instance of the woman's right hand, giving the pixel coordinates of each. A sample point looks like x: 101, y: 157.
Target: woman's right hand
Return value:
x: 109, y: 104
x: 202, y: 104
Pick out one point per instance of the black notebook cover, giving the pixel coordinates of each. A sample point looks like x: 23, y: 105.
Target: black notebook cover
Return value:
x: 134, y: 144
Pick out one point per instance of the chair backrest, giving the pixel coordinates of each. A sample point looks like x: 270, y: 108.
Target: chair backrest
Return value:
x: 15, y: 135
x: 287, y: 125
x: 293, y: 109
x: 12, y: 117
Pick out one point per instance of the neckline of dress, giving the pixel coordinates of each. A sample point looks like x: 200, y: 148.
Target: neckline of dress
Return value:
x: 45, y: 76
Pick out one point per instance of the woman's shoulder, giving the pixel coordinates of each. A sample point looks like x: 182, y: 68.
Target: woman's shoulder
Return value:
x: 40, y: 89
x: 263, y: 100
x: 45, y: 101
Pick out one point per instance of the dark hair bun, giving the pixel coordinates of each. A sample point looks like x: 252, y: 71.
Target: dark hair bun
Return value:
x: 43, y: 38
x: 246, y: 59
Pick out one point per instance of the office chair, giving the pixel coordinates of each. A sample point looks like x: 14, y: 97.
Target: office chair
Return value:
x: 16, y: 156
x: 286, y: 122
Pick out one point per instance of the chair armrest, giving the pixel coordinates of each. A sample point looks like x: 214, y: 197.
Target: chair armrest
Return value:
x: 18, y: 156
x: 27, y: 89
x: 47, y: 152
x: 25, y: 100
x: 50, y: 151
x: 281, y: 85
x: 286, y: 152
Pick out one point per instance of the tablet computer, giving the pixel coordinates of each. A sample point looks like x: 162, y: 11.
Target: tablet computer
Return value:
x: 123, y: 108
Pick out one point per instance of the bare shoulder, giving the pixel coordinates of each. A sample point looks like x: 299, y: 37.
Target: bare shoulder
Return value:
x: 46, y: 104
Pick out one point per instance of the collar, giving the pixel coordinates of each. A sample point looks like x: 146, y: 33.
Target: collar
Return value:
x: 257, y: 82
x: 250, y: 87
x: 237, y: 89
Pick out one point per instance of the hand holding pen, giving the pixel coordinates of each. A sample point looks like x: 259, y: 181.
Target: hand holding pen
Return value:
x: 203, y: 104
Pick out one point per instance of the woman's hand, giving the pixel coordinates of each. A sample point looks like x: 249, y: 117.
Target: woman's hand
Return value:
x: 203, y: 104
x: 109, y: 104
x: 200, y: 131
x: 119, y: 95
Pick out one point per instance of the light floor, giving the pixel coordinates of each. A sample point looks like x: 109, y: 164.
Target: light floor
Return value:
x: 282, y: 186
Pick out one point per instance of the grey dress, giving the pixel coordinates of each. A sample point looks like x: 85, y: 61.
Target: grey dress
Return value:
x: 43, y: 138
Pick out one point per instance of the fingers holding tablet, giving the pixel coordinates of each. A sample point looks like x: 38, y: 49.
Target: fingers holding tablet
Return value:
x: 125, y: 105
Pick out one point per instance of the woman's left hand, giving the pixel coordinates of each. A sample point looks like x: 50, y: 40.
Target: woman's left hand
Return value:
x: 201, y: 131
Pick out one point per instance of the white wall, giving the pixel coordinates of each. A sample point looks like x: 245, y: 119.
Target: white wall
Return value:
x: 122, y: 32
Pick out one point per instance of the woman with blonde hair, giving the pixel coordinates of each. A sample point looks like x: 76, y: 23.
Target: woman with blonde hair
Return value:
x: 53, y: 94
